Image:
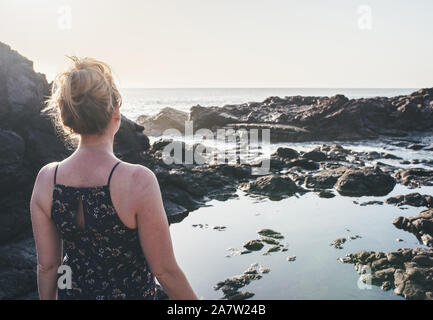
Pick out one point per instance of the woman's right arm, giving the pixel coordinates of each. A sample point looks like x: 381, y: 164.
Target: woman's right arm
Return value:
x: 47, y: 239
x: 155, y: 237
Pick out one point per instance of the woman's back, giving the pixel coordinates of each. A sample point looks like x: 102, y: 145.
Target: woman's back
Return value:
x: 110, y: 216
x: 104, y: 254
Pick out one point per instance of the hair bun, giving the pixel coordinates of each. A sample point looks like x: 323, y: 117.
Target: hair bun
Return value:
x: 85, y: 96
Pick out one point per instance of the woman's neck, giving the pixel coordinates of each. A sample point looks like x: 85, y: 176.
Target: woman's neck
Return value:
x: 96, y: 143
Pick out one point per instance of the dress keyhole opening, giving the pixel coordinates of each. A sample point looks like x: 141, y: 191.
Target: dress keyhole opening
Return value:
x: 79, y: 219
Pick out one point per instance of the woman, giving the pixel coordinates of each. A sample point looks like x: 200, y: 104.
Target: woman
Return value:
x: 101, y: 217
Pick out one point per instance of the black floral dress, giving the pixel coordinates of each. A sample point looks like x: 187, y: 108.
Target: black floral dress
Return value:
x: 105, y: 256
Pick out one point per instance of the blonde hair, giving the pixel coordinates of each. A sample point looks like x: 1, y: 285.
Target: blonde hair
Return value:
x: 85, y: 96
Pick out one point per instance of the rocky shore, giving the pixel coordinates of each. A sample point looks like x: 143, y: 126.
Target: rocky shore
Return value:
x: 29, y: 140
x: 298, y: 118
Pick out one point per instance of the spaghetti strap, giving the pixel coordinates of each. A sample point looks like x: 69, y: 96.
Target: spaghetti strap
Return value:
x: 55, y: 175
x: 111, y: 173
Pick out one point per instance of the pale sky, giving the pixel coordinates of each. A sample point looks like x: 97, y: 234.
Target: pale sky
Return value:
x: 231, y: 43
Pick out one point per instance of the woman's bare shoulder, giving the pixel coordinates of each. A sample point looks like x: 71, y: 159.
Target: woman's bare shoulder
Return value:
x: 139, y: 184
x: 46, y: 174
x: 137, y: 175
x: 44, y: 182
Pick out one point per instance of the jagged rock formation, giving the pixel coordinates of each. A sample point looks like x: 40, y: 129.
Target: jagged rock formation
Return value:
x: 412, y: 199
x: 421, y: 226
x: 167, y: 118
x: 408, y: 271
x: 299, y: 118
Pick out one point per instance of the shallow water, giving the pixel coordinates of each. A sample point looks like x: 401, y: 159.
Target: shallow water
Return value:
x: 309, y: 224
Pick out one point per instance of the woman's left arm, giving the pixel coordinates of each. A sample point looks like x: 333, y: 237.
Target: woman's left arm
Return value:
x: 47, y: 239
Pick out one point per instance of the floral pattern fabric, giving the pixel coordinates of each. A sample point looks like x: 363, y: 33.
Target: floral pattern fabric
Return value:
x: 105, y: 256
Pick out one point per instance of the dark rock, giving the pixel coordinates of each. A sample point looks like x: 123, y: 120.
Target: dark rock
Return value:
x: 369, y: 203
x: 303, y: 164
x: 272, y: 185
x: 12, y: 148
x: 315, y: 155
x: 325, y: 179
x: 373, y: 155
x: 253, y: 245
x: 270, y: 241
x: 209, y: 118
x: 335, y: 152
x: 167, y: 118
x: 390, y: 156
x: 386, y: 168
x: 22, y: 91
x: 173, y: 209
x: 15, y: 221
x: 412, y: 199
x: 383, y: 275
x: 326, y: 118
x: 416, y: 147
x: 270, y: 233
x: 28, y: 140
x: 17, y: 269
x: 326, y: 194
x: 386, y: 286
x: 130, y: 141
x: 272, y: 249
x: 219, y: 228
x: 159, y: 145
x: 409, y: 271
x: 421, y: 226
x: 338, y: 243
x: 286, y: 153
x: 398, y: 222
x: 365, y: 182
x: 242, y: 295
x: 275, y: 164
x: 415, y: 177
x: 230, y: 286
x: 354, y: 237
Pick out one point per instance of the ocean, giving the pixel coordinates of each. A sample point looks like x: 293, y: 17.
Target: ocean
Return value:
x: 137, y: 102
